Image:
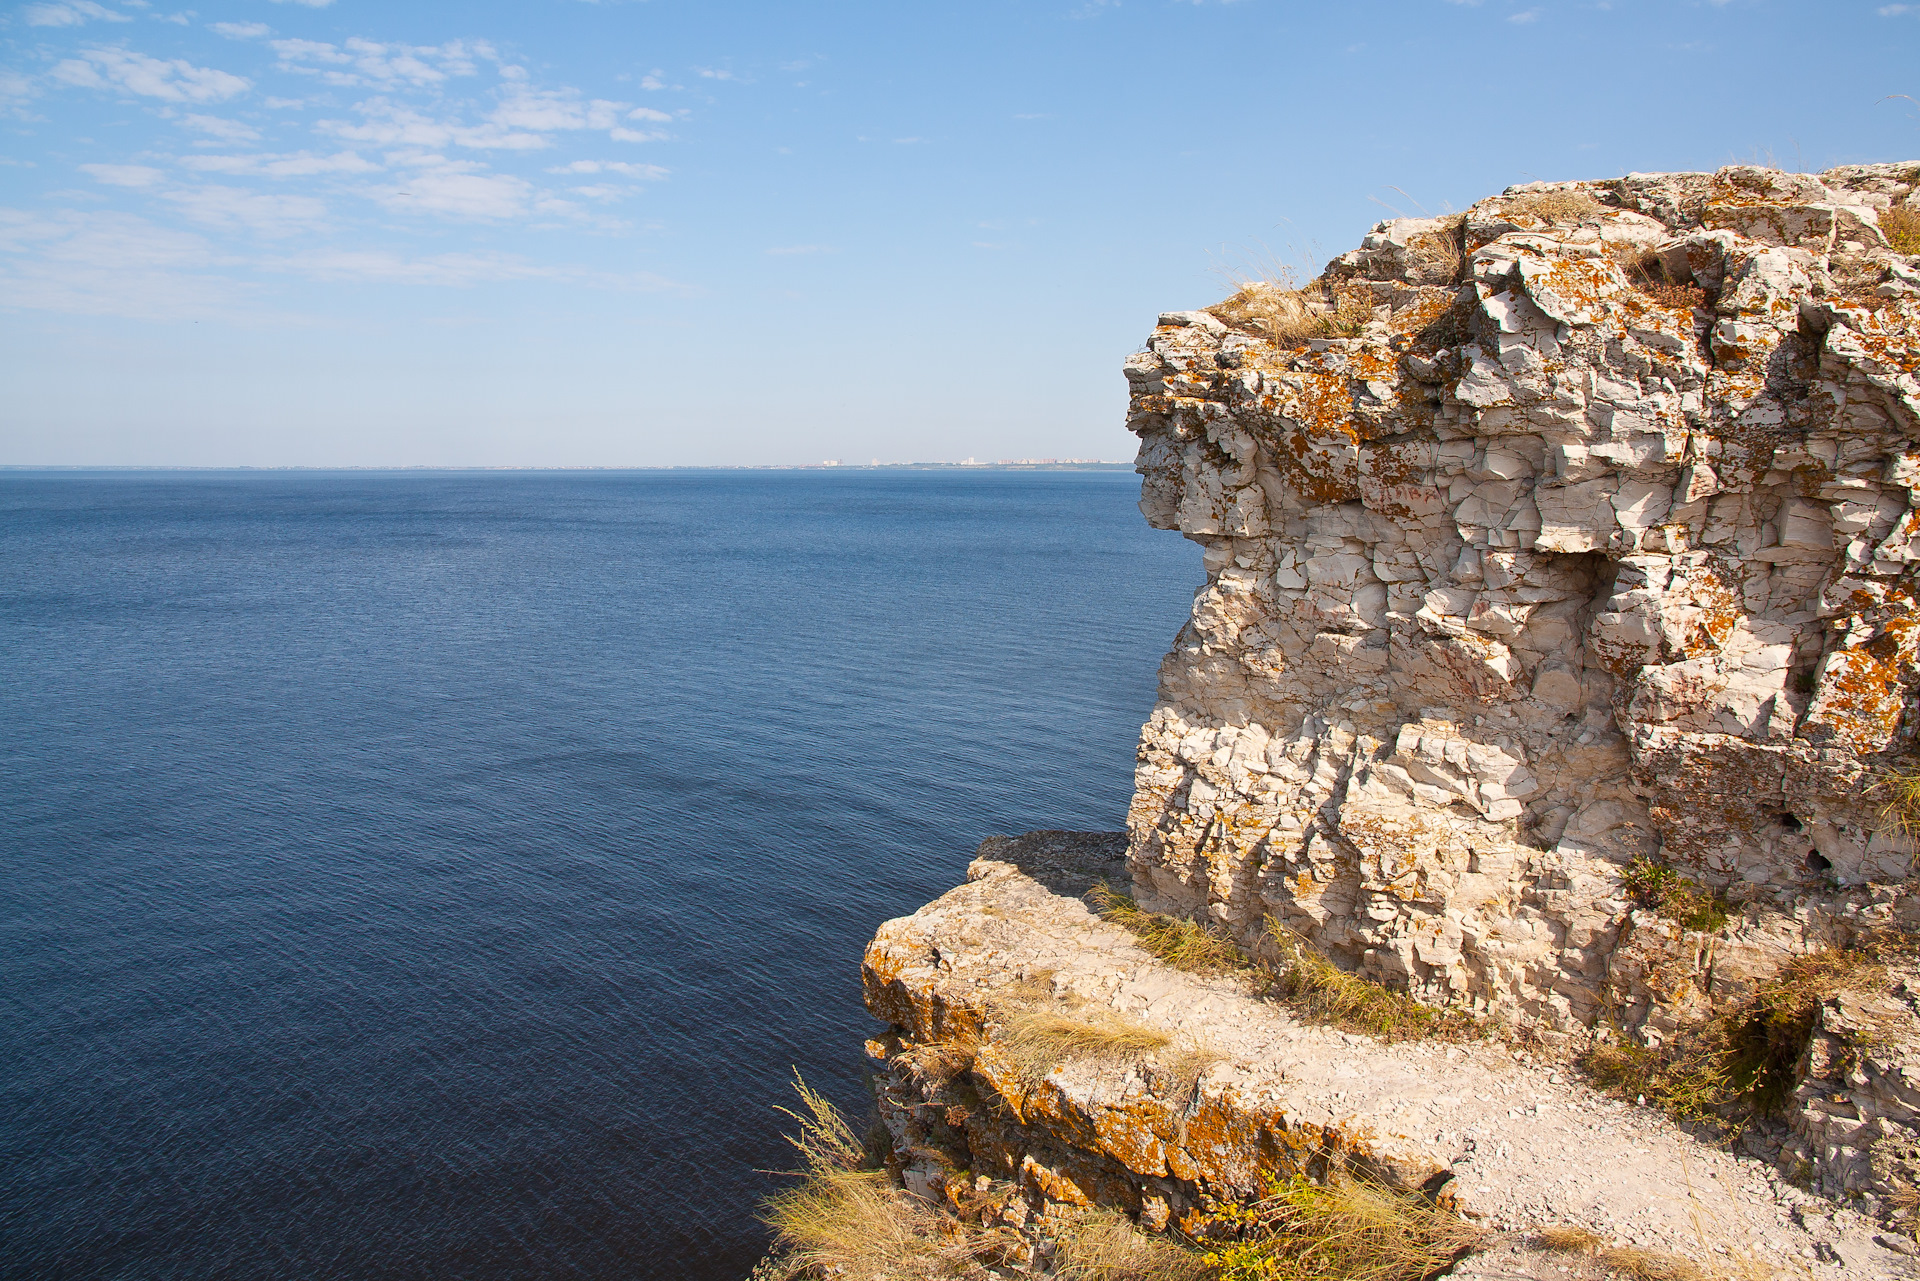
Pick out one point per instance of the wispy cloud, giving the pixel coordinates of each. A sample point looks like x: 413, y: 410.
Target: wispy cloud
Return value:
x: 651, y: 173
x: 299, y: 164
x: 240, y: 30
x: 125, y: 175
x: 310, y: 4
x: 70, y: 13
x: 236, y: 209
x: 171, y: 80
x: 215, y: 127
x: 368, y: 63
x: 1524, y: 17
x: 1896, y: 10
x: 388, y: 124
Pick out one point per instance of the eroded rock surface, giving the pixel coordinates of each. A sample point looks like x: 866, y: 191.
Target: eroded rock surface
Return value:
x: 1513, y: 1143
x: 1542, y: 572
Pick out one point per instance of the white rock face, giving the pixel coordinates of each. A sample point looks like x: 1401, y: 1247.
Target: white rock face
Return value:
x: 1544, y: 570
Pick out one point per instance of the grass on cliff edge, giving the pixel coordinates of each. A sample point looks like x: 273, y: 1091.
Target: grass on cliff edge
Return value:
x: 1901, y: 226
x: 1346, y: 1229
x: 847, y: 1221
x: 1312, y: 984
x: 1742, y: 1062
x: 1183, y: 944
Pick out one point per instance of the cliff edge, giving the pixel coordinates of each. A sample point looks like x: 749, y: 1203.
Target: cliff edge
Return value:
x: 1555, y: 675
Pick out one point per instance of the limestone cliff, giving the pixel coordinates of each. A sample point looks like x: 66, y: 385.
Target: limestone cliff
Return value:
x: 1554, y: 551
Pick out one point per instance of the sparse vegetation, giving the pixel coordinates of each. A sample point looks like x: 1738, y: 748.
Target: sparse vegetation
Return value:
x: 1901, y: 226
x: 1742, y: 1062
x: 1648, y: 274
x: 848, y: 1221
x: 1551, y: 206
x: 1039, y: 1040
x: 1659, y: 888
x: 1346, y: 1229
x: 1181, y: 943
x: 1290, y: 317
x: 1100, y: 1245
x: 1900, y: 786
x: 1314, y: 985
x: 1442, y: 252
x: 940, y: 1060
x: 1632, y: 1261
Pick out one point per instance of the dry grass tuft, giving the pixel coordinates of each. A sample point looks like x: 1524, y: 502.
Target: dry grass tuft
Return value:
x: 1648, y: 274
x: 1183, y: 944
x: 1290, y: 317
x: 1314, y: 985
x: 1901, y: 787
x: 1100, y: 1245
x: 1741, y: 1063
x: 1441, y: 253
x: 1344, y: 1230
x: 1568, y: 1238
x: 940, y: 1061
x: 1621, y: 1260
x: 1661, y: 889
x: 846, y: 1222
x: 1550, y: 206
x: 1038, y: 1041
x: 1901, y: 226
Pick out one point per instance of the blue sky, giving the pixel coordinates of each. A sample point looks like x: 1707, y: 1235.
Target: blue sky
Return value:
x: 557, y: 233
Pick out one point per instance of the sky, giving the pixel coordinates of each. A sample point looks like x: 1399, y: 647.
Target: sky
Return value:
x: 558, y: 233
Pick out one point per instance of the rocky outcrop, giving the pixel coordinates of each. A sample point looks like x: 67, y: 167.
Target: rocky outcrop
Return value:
x: 1243, y: 1090
x: 1556, y: 552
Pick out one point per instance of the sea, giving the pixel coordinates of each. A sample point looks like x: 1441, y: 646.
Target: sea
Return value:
x: 447, y: 875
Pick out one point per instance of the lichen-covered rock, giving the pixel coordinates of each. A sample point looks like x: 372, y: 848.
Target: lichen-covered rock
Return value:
x: 1244, y: 1090
x: 1595, y: 543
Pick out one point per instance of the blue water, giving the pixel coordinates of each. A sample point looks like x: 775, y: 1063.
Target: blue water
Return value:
x: 437, y: 876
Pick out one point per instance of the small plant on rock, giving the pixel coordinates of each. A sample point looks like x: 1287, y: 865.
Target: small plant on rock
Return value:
x: 1659, y: 888
x: 1743, y: 1062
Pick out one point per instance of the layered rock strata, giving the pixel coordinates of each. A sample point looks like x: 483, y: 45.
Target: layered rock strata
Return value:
x: 1594, y: 542
x: 1556, y: 552
x: 1243, y: 1090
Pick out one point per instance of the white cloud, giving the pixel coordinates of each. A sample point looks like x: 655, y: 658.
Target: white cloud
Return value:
x: 709, y: 73
x: 300, y: 164
x: 310, y: 4
x: 215, y: 127
x: 357, y: 62
x: 454, y: 191
x: 652, y: 173
x: 1895, y: 10
x: 551, y: 110
x: 635, y: 135
x: 648, y: 113
x: 14, y: 87
x: 652, y: 81
x: 390, y: 125
x: 232, y: 208
x: 124, y: 175
x: 106, y: 264
x: 602, y: 192
x: 1524, y: 16
x: 240, y: 30
x: 171, y: 80
x: 69, y: 13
